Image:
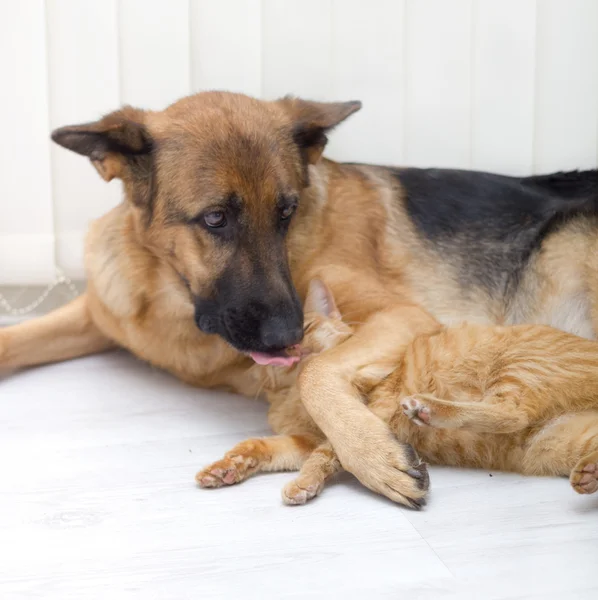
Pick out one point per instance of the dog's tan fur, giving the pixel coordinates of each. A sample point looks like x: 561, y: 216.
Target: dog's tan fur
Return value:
x: 349, y: 229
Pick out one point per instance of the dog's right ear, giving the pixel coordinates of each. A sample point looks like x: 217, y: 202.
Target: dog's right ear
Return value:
x: 118, y: 145
x: 312, y: 120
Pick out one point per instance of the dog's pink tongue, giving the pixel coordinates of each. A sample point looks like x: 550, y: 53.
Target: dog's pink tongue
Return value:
x: 261, y: 358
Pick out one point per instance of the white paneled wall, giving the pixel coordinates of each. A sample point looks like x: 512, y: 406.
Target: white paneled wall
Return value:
x: 504, y: 85
x: 26, y: 200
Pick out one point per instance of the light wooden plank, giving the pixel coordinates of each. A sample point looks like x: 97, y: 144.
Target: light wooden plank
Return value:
x: 438, y: 90
x: 504, y: 56
x: 154, y: 52
x: 567, y: 85
x: 226, y: 45
x: 84, y: 75
x: 367, y: 55
x: 98, y: 502
x: 297, y: 49
x: 26, y: 229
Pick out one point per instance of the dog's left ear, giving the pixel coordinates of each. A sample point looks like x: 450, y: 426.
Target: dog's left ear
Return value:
x: 115, y: 144
x: 311, y: 121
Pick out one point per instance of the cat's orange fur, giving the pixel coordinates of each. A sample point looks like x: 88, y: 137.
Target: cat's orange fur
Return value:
x: 521, y: 398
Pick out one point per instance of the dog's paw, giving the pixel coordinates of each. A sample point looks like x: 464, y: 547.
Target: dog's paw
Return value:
x: 388, y: 467
x: 417, y: 410
x: 584, y: 477
x: 231, y: 469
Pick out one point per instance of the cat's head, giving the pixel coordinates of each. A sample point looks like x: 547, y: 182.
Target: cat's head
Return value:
x: 323, y: 326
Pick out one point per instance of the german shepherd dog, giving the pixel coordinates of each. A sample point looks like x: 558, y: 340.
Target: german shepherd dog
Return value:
x: 230, y: 210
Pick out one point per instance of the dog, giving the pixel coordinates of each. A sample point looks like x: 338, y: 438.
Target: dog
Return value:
x: 230, y: 209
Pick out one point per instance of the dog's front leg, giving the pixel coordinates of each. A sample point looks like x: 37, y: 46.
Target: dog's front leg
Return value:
x: 364, y: 444
x: 65, y: 333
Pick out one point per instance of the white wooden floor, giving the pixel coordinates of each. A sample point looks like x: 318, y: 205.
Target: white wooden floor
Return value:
x: 97, y: 500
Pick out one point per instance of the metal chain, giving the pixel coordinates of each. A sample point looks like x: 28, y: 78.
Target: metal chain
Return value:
x: 61, y: 279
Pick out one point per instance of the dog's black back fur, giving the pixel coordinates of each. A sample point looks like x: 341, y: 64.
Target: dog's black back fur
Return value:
x: 489, y: 225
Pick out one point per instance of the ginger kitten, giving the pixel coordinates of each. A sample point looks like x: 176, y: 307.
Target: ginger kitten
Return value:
x: 521, y: 398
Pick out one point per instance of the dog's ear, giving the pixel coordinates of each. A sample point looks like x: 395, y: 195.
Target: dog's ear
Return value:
x: 114, y: 144
x: 117, y: 145
x: 311, y: 121
x: 320, y: 300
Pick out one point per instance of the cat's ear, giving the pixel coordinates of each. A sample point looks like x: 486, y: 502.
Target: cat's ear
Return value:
x: 320, y: 300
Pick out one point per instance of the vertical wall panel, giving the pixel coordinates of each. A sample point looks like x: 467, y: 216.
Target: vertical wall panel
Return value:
x: 26, y: 229
x: 296, y: 48
x: 438, y: 92
x: 504, y: 55
x: 154, y: 52
x: 83, y: 61
x: 367, y: 55
x: 566, y: 85
x: 226, y: 45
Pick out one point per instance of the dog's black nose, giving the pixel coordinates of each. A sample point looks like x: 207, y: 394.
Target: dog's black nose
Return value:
x: 278, y: 333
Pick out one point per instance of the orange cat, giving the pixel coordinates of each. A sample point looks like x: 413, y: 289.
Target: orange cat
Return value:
x: 521, y: 398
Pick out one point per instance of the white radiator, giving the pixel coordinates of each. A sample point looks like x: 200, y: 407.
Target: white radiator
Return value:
x: 506, y: 85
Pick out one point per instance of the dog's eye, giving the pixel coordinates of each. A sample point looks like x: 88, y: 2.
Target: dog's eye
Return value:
x: 215, y: 219
x: 287, y: 212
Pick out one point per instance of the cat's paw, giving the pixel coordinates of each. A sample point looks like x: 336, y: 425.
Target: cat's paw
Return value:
x: 584, y: 477
x: 231, y: 469
x: 300, y: 491
x: 417, y: 410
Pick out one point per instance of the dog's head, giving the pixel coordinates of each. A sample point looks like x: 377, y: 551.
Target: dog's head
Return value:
x: 213, y: 182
